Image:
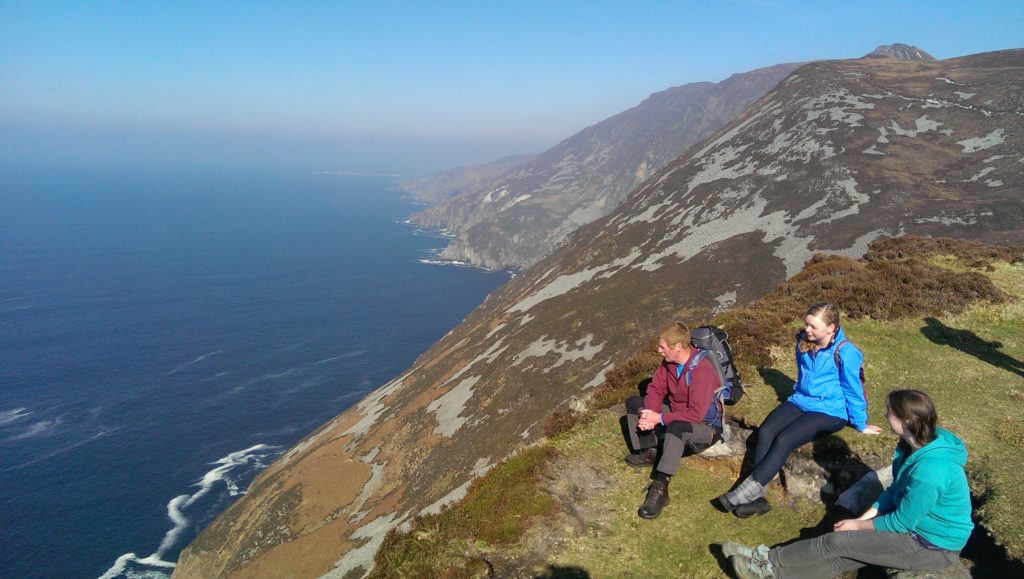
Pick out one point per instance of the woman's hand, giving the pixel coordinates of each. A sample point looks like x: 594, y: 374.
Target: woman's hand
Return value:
x: 854, y: 525
x: 871, y: 429
x: 868, y: 514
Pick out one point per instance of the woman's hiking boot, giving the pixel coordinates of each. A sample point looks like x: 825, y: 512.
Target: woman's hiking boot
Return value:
x: 725, y: 504
x: 757, y: 506
x: 645, y: 458
x: 747, y: 491
x: 657, y: 498
x: 747, y: 562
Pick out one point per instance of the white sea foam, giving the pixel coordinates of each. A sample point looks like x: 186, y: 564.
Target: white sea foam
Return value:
x: 254, y: 457
x: 64, y: 449
x: 340, y: 357
x: 453, y: 262
x: 197, y: 360
x: 9, y: 416
x: 37, y: 429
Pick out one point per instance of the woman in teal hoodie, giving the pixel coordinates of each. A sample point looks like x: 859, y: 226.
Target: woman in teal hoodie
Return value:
x: 920, y: 522
x: 828, y: 395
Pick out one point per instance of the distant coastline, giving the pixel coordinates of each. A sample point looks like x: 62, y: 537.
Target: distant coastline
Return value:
x: 356, y: 174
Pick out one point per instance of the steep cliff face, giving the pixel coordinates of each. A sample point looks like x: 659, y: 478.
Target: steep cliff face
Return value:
x: 521, y: 216
x: 455, y: 182
x: 839, y: 154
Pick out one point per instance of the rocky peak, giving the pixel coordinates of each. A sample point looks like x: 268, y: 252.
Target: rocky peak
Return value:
x: 901, y: 51
x: 839, y: 154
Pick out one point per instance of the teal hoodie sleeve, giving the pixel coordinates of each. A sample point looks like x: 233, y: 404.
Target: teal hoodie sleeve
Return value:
x: 886, y: 503
x: 918, y: 500
x: 853, y: 390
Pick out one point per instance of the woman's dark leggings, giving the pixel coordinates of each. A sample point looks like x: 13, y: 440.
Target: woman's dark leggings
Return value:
x: 786, y: 429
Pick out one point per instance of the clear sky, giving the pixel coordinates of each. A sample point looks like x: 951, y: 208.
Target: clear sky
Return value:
x: 404, y: 86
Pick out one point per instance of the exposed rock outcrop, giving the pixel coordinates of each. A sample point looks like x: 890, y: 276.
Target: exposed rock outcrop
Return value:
x: 902, y: 51
x: 520, y: 217
x: 839, y: 154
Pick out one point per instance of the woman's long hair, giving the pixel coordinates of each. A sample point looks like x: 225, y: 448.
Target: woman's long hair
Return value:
x: 917, y: 412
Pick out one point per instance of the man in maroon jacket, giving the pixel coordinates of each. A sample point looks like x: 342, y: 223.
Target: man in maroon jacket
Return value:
x: 677, y: 406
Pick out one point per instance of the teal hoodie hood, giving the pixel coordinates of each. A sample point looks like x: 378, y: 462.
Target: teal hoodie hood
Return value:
x: 929, y: 495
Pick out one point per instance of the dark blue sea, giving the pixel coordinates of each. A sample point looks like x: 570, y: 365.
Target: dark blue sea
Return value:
x: 166, y: 335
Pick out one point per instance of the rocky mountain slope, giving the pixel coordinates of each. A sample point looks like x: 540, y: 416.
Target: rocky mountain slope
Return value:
x: 520, y: 217
x: 841, y: 153
x: 454, y: 182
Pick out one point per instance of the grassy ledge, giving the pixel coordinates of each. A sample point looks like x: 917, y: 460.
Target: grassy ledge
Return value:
x: 938, y: 315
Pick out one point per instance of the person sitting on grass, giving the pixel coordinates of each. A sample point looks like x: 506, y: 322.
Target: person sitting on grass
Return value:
x: 679, y: 405
x: 921, y: 522
x: 827, y: 396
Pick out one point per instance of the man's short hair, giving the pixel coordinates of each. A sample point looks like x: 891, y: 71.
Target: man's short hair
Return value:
x: 675, y: 333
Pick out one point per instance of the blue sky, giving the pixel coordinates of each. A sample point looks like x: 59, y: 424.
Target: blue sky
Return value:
x: 408, y: 87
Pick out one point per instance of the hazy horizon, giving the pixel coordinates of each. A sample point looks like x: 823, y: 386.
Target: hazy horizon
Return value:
x: 396, y: 87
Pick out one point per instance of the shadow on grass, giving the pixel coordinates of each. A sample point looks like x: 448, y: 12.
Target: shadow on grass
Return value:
x: 833, y: 455
x: 557, y: 572
x: 781, y: 383
x: 970, y: 343
x: 723, y: 562
x: 988, y: 558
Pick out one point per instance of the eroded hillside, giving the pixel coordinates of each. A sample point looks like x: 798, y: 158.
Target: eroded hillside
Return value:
x: 521, y: 216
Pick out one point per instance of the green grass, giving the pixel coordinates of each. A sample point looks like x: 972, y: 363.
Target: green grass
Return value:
x: 969, y: 362
x: 972, y: 365
x: 684, y: 540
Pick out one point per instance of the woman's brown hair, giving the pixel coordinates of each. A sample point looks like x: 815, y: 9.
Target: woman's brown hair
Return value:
x: 824, y: 311
x: 917, y: 412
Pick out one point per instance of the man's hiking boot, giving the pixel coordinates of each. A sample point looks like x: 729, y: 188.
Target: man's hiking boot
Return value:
x: 646, y: 458
x: 755, y: 507
x: 657, y: 498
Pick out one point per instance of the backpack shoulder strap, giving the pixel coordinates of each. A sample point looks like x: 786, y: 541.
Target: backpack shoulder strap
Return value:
x: 717, y: 410
x: 839, y: 362
x: 692, y: 363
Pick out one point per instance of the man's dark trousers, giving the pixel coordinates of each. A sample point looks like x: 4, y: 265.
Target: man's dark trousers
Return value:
x: 681, y: 438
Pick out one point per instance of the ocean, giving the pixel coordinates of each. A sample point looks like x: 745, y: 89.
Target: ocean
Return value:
x: 164, y: 335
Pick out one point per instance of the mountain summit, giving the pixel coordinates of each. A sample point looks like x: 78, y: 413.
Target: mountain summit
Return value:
x: 839, y: 154
x: 901, y: 51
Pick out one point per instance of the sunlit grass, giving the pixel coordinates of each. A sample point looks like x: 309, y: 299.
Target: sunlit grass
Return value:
x: 969, y: 362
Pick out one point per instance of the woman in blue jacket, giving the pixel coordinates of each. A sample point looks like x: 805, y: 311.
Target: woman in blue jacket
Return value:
x: 827, y: 396
x: 920, y: 522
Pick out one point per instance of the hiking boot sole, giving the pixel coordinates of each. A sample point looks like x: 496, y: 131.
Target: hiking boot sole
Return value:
x: 649, y: 515
x: 752, y: 509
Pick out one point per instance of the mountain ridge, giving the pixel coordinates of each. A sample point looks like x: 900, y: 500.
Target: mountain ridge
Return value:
x: 526, y: 212
x: 517, y: 217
